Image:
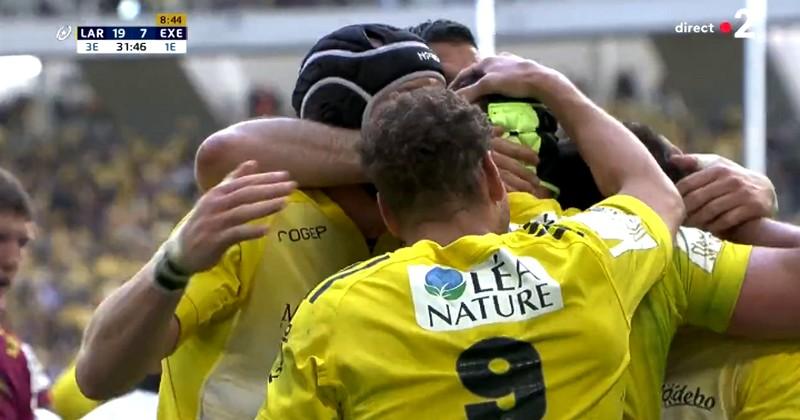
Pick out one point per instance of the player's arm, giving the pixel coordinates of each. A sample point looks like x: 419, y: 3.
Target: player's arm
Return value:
x: 129, y: 333
x: 316, y: 155
x: 136, y: 326
x: 739, y: 289
x: 303, y: 383
x: 766, y: 232
x: 768, y: 306
x: 619, y: 162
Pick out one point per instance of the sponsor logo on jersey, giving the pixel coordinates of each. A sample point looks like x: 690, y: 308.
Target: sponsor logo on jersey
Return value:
x: 504, y: 288
x: 302, y: 234
x: 701, y: 247
x: 615, y: 225
x: 286, y: 328
x: 445, y: 282
x: 673, y: 395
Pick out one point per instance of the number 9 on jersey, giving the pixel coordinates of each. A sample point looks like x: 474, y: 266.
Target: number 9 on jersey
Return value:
x: 498, y: 368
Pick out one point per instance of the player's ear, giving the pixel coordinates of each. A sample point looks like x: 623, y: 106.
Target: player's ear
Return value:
x: 388, y: 217
x: 497, y: 190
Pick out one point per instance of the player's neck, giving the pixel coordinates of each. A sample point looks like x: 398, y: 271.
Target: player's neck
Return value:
x: 462, y: 222
x: 360, y: 208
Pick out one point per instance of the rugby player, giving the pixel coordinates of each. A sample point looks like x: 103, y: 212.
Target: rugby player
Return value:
x: 320, y: 155
x: 213, y: 304
x: 17, y: 397
x: 424, y: 332
x: 710, y: 376
x: 452, y: 42
x: 712, y: 284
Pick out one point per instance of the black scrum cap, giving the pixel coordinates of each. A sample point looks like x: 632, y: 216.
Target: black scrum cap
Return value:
x: 347, y: 68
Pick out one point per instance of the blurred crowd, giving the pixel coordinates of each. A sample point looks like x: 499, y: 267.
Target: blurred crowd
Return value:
x: 104, y: 199
x: 107, y: 197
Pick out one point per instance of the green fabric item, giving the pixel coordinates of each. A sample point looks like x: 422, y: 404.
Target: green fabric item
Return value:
x: 522, y: 123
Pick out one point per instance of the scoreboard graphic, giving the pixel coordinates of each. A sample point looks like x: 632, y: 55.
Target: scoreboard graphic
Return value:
x: 169, y: 35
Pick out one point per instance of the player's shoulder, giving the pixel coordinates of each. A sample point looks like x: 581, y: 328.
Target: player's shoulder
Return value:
x: 330, y: 290
x: 623, y: 223
x: 384, y: 268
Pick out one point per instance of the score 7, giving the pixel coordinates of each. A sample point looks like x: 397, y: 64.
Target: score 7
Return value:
x: 144, y: 32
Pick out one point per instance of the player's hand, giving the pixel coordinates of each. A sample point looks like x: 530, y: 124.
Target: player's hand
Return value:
x: 221, y: 217
x: 508, y: 75
x: 720, y: 194
x: 511, y: 159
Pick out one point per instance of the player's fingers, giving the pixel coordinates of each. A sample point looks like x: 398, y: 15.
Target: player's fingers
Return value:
x: 516, y: 151
x: 484, y: 86
x: 700, y: 197
x: 732, y: 219
x: 253, y: 211
x: 697, y: 180
x: 712, y: 210
x: 244, y: 168
x: 252, y: 179
x: 241, y: 233
x: 515, y: 183
x: 471, y: 72
x: 497, y: 131
x: 686, y: 163
x: 257, y: 192
x: 515, y: 167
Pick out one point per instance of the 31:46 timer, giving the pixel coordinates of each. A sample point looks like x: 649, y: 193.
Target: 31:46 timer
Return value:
x: 131, y: 46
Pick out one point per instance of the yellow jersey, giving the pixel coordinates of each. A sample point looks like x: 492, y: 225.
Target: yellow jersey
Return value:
x: 715, y: 377
x: 699, y: 288
x: 233, y: 316
x: 68, y: 400
x: 526, y: 325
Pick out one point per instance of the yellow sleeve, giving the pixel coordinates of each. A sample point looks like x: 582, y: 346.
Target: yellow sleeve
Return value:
x: 210, y: 295
x: 712, y: 272
x: 68, y: 401
x: 769, y: 386
x: 634, y: 240
x: 303, y: 384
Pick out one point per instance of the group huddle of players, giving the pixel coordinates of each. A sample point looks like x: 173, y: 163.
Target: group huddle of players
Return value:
x: 393, y: 254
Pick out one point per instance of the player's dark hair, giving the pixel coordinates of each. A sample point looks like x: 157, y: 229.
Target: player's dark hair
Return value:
x: 443, y: 30
x: 13, y: 197
x: 574, y: 178
x: 659, y: 147
x: 423, y: 150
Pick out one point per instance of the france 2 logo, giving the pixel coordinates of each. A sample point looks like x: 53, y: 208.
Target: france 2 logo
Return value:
x: 744, y: 31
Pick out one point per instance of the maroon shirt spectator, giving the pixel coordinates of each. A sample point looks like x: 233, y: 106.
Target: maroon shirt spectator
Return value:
x: 15, y: 380
x: 16, y: 214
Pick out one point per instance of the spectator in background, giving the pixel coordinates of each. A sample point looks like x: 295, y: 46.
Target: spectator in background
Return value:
x: 109, y: 194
